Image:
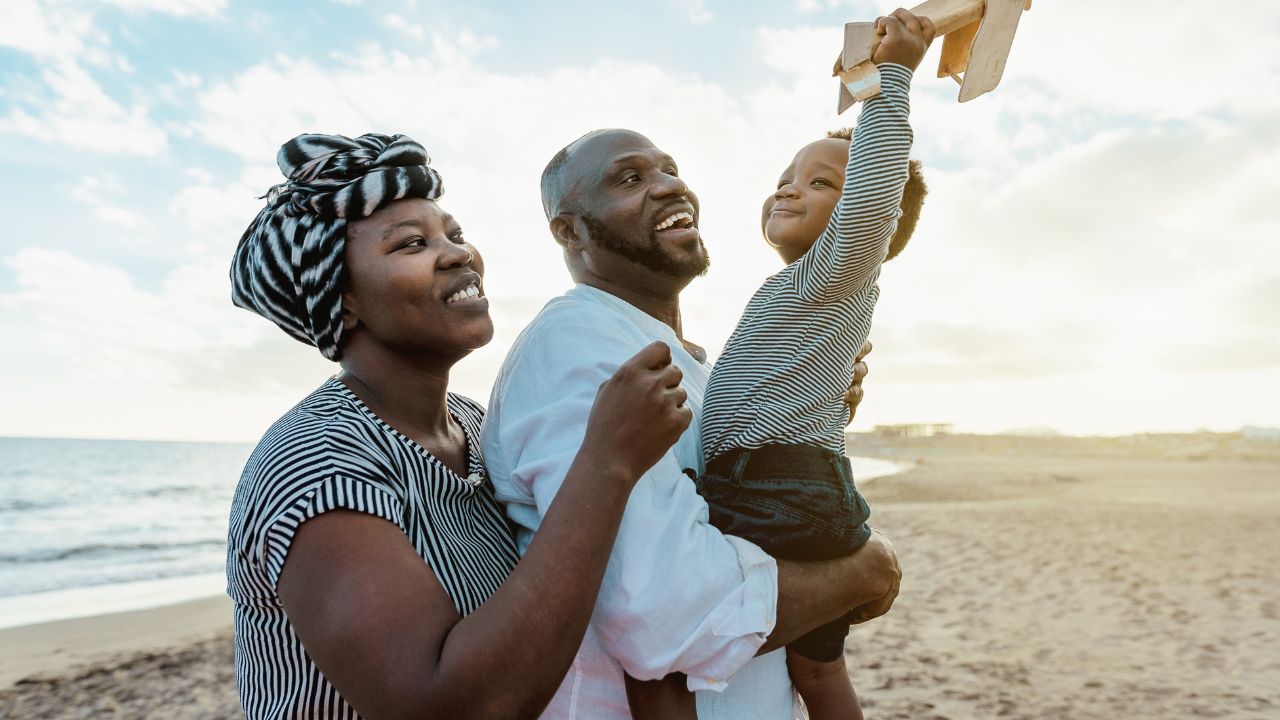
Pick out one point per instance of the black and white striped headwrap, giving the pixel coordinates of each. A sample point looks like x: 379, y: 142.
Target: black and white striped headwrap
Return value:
x: 289, y: 264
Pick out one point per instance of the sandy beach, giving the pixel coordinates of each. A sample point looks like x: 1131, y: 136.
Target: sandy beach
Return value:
x: 1044, y: 578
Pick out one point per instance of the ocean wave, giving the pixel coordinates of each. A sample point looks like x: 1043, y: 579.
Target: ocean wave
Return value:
x: 25, y: 505
x: 104, y: 550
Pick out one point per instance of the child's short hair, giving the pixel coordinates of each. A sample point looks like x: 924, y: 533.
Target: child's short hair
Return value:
x: 912, y: 199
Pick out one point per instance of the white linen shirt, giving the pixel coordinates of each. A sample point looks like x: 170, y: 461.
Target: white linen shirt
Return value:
x: 677, y: 595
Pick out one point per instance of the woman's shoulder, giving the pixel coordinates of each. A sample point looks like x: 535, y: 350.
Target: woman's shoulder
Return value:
x: 325, y: 447
x: 470, y: 413
x: 463, y: 405
x: 326, y: 433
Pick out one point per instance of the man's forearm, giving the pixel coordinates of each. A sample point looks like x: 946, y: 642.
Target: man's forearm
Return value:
x: 811, y: 593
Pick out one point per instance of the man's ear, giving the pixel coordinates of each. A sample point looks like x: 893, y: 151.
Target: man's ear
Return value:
x: 563, y: 230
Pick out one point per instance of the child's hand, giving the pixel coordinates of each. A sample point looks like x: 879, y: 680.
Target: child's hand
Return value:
x: 906, y: 38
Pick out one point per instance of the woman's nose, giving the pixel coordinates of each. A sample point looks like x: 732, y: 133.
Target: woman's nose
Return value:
x: 455, y: 255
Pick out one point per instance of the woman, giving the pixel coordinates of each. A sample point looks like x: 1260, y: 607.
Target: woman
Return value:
x: 372, y: 570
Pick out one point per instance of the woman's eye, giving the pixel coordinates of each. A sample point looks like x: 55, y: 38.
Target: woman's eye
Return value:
x: 415, y: 241
x: 456, y: 236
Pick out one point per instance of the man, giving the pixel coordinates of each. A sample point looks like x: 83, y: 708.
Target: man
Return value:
x: 678, y: 596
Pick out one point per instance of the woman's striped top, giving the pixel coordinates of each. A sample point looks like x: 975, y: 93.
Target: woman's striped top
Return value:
x: 784, y: 372
x: 331, y: 452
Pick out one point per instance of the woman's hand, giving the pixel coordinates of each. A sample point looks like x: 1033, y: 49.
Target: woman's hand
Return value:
x: 639, y: 413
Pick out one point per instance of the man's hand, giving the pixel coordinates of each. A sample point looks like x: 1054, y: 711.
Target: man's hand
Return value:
x: 906, y: 38
x: 853, y: 395
x: 886, y: 560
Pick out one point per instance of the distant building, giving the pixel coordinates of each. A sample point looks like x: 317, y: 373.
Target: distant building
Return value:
x: 1253, y: 432
x: 913, y: 430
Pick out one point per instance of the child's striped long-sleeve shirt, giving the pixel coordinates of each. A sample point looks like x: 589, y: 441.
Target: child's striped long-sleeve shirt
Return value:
x: 784, y: 372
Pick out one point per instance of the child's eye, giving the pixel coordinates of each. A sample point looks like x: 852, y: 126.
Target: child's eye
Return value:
x: 819, y: 181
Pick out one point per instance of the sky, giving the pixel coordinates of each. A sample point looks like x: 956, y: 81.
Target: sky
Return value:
x: 1098, y: 253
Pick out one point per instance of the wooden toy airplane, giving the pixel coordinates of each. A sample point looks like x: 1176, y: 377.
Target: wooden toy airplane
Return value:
x: 978, y: 35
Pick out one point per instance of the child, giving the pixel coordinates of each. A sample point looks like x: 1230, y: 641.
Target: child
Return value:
x: 774, y: 414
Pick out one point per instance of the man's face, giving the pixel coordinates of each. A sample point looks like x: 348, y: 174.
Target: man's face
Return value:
x: 632, y: 205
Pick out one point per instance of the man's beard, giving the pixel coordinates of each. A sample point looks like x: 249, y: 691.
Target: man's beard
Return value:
x: 650, y: 254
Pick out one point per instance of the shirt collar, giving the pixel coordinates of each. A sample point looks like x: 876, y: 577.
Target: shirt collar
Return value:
x: 647, y: 323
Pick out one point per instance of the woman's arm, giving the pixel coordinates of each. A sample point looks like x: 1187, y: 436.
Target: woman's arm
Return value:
x: 384, y: 632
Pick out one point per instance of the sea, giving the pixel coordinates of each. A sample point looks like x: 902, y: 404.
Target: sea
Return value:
x: 96, y: 526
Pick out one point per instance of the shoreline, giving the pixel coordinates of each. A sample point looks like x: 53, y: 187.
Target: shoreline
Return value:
x: 92, y: 600
x: 51, y: 649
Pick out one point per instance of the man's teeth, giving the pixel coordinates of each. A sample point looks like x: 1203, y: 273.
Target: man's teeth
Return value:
x: 673, y: 220
x: 469, y: 291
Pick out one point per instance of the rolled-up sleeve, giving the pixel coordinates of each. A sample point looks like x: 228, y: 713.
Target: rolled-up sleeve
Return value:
x: 677, y: 595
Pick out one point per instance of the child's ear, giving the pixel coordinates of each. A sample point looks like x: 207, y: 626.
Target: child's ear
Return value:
x: 565, y: 233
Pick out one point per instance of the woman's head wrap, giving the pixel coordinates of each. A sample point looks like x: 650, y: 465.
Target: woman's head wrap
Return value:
x: 289, y: 264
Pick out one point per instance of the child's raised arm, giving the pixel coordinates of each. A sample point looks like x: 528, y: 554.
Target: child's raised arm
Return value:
x: 846, y: 258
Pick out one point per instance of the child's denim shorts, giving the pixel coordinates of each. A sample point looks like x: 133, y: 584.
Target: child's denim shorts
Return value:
x: 797, y: 502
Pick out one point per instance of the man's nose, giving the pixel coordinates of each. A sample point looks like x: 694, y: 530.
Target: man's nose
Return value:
x: 671, y: 185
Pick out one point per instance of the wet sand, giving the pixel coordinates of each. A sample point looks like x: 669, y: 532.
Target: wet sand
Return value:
x: 1043, y: 579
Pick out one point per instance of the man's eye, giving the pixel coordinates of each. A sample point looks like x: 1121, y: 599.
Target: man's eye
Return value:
x: 672, y: 170
x: 631, y: 177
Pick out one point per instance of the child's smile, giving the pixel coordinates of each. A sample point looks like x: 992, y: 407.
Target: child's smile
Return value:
x: 798, y: 211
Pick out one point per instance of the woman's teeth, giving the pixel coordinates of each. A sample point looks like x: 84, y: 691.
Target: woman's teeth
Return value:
x: 469, y: 291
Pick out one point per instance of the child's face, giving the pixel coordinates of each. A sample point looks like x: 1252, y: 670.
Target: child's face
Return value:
x: 795, y: 215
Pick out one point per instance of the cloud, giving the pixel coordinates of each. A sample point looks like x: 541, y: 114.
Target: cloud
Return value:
x: 866, y: 7
x: 933, y: 352
x: 102, y: 194
x: 70, y: 107
x: 181, y: 8
x: 47, y: 31
x: 698, y: 12
x: 106, y: 340
x: 80, y: 114
x: 399, y: 23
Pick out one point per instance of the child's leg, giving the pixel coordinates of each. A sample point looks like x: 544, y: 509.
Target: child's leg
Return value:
x: 825, y: 687
x: 660, y: 699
